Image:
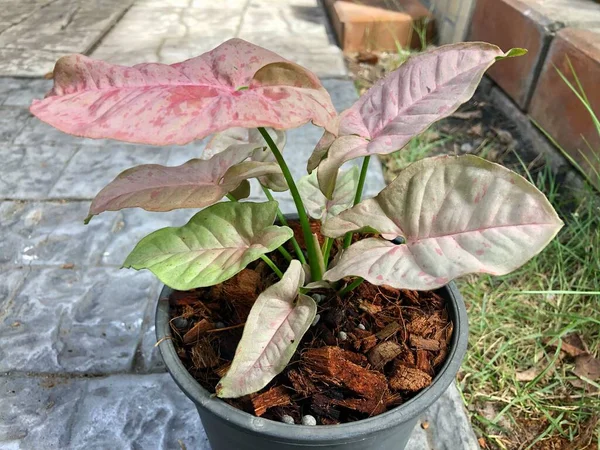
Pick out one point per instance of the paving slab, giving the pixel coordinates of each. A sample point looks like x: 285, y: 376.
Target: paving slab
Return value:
x: 172, y: 31
x: 35, y: 34
x: 136, y: 411
x: 52, y: 234
x: 118, y: 412
x: 75, y: 321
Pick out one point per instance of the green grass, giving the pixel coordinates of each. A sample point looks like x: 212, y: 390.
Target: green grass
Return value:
x: 513, y: 319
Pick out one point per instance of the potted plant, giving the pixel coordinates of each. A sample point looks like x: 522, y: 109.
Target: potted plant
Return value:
x: 358, y: 262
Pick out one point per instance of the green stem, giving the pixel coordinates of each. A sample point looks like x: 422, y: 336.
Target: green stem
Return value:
x: 315, y: 269
x: 283, y: 221
x: 285, y: 253
x: 351, y: 286
x: 272, y: 265
x: 231, y: 198
x: 326, y: 250
x: 358, y: 196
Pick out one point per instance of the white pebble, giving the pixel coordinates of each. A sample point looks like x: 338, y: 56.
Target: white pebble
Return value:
x: 288, y: 419
x: 342, y: 335
x: 361, y: 326
x: 316, y: 320
x: 318, y: 297
x: 219, y: 325
x: 308, y: 420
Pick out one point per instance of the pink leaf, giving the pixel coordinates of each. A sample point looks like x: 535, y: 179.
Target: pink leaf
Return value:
x: 195, y: 184
x: 458, y: 215
x: 237, y: 84
x: 245, y: 140
x: 278, y: 320
x: 426, y: 88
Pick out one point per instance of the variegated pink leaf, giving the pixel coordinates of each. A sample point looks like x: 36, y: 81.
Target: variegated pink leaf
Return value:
x: 317, y: 205
x: 237, y: 84
x: 245, y: 139
x: 426, y: 88
x: 278, y: 320
x: 458, y: 215
x: 195, y: 184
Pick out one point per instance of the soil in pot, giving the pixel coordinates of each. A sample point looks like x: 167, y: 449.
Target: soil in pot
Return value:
x: 367, y: 352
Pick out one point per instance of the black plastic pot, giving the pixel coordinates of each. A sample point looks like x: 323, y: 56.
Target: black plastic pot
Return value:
x: 229, y: 428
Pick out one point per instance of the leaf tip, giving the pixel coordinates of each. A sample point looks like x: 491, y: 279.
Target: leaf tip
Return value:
x: 512, y: 53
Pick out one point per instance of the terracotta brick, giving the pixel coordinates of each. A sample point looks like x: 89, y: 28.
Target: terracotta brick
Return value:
x: 530, y: 24
x: 508, y: 24
x: 556, y: 108
x: 374, y: 25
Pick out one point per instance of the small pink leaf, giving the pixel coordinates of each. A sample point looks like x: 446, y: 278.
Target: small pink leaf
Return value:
x: 458, y: 215
x: 278, y: 320
x: 237, y: 84
x: 426, y: 88
x: 317, y: 205
x: 244, y: 140
x: 195, y: 184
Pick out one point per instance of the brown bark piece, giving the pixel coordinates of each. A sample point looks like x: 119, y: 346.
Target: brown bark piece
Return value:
x: 197, y: 331
x: 418, y: 326
x: 243, y: 288
x: 324, y: 406
x: 276, y: 396
x: 421, y: 343
x: 423, y: 361
x: 221, y: 371
x: 409, y: 379
x: 369, y: 406
x: 333, y: 362
x: 203, y: 355
x: 369, y: 308
x: 383, y: 353
x: 301, y: 383
x: 365, y: 344
x: 388, y: 331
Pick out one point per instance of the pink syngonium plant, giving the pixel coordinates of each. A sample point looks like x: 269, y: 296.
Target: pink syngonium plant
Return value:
x: 455, y: 215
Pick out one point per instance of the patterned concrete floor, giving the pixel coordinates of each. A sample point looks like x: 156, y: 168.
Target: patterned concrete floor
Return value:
x: 77, y: 357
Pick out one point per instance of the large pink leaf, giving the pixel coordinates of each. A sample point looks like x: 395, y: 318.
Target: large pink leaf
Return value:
x: 458, y: 215
x: 278, y: 320
x: 195, y: 184
x: 426, y: 88
x: 237, y: 84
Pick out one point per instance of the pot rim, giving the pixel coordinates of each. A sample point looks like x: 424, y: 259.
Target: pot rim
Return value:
x: 342, y: 432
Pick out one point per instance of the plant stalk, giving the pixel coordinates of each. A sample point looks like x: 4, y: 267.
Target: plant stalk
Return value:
x: 351, y: 286
x: 283, y: 221
x: 326, y: 250
x: 358, y: 196
x: 272, y: 265
x: 315, y: 269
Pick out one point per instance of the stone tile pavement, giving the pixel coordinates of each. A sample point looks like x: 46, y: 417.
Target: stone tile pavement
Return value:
x: 78, y: 367
x: 174, y: 30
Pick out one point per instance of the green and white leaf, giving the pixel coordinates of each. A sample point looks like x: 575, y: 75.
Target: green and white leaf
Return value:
x: 195, y: 184
x: 458, y: 215
x: 278, y: 320
x: 317, y: 205
x: 213, y: 246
